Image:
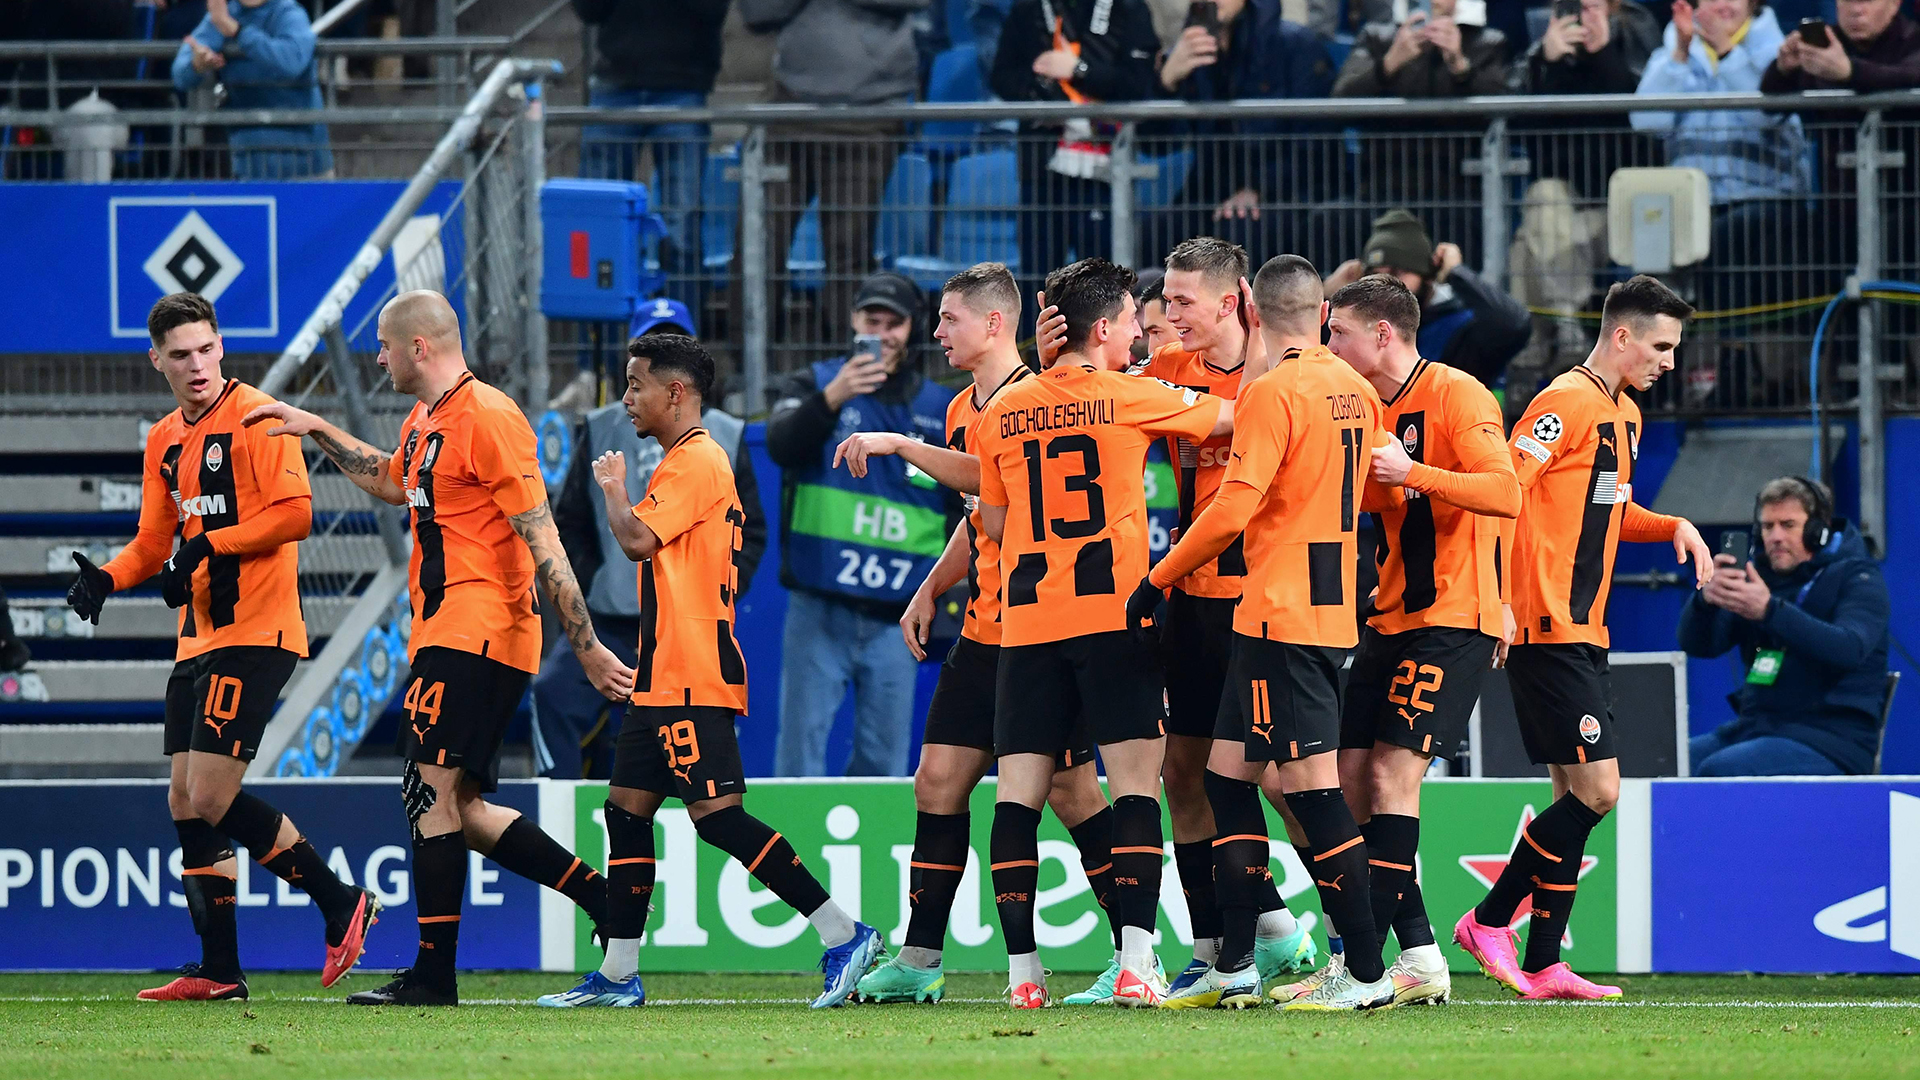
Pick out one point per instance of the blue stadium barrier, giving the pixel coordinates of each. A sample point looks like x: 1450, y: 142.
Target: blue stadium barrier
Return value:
x: 904, y: 225
x: 955, y: 77
x: 720, y: 213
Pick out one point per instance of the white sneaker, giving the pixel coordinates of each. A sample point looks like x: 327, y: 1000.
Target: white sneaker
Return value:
x: 1420, y: 979
x: 1215, y: 990
x: 1344, y: 993
x: 1336, y: 966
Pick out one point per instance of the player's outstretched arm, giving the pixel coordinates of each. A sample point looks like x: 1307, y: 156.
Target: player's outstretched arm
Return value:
x: 364, y: 464
x: 612, y: 678
x: 949, y: 468
x: 1638, y: 525
x: 635, y: 538
x: 947, y: 572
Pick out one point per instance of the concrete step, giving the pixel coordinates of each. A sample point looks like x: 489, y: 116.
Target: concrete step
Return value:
x: 144, y: 617
x: 121, y: 494
x: 30, y: 745
x: 37, y: 556
x: 77, y: 434
x: 101, y: 680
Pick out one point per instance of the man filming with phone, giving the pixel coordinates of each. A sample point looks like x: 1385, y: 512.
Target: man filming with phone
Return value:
x: 853, y: 550
x: 1808, y: 611
x: 1872, y: 47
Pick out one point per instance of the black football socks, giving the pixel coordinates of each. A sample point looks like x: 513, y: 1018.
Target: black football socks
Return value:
x: 439, y: 883
x: 939, y: 862
x: 1014, y: 855
x: 1094, y: 839
x: 254, y: 824
x: 1545, y: 866
x: 1240, y: 854
x: 1338, y: 866
x: 210, y: 898
x: 527, y: 850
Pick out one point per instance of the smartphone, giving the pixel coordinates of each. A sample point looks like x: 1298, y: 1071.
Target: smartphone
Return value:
x: 1566, y: 9
x: 1470, y: 12
x: 1204, y: 14
x: 1739, y: 544
x: 1814, y: 33
x: 865, y: 345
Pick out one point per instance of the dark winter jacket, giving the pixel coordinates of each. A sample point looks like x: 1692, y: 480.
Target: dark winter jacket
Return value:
x: 1829, y: 616
x: 647, y: 45
x: 1473, y: 326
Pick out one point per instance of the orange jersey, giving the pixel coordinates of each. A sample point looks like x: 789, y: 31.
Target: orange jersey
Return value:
x: 1199, y: 466
x: 1303, y: 435
x: 982, y: 621
x: 688, y: 654
x: 210, y: 476
x: 468, y: 463
x: 1066, y: 453
x: 1574, y: 451
x: 1438, y: 559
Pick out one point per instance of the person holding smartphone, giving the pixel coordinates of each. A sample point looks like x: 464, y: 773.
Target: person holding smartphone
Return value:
x: 1805, y: 604
x: 1589, y: 47
x: 1872, y: 47
x: 853, y: 550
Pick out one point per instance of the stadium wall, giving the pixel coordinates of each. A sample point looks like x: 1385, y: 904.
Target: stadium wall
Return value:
x: 1828, y: 875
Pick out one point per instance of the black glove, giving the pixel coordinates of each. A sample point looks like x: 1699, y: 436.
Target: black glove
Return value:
x: 176, y: 578
x: 90, y: 590
x: 1143, y: 610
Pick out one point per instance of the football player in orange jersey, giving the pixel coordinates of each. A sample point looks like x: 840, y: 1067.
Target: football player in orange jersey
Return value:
x: 1293, y: 487
x: 1574, y: 451
x: 483, y: 534
x: 1062, y: 466
x: 1218, y: 351
x: 1441, y: 488
x: 979, y: 316
x: 240, y: 503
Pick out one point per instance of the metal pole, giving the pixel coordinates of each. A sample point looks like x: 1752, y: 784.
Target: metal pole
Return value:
x: 1866, y: 173
x: 753, y: 265
x: 1493, y: 204
x: 353, y: 395
x: 533, y: 151
x: 1125, y: 250
x: 446, y: 68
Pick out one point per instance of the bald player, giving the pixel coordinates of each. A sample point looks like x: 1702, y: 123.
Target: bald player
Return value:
x: 482, y: 530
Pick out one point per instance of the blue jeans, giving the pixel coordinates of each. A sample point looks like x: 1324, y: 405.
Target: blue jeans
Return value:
x: 1764, y: 755
x: 573, y: 726
x: 830, y: 646
x: 612, y: 152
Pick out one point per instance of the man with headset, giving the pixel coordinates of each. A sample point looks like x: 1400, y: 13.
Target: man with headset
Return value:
x: 1810, y: 621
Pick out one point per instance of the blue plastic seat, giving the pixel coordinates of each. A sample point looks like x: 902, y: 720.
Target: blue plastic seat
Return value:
x: 905, y: 223
x: 720, y: 208
x: 983, y: 193
x: 1164, y: 186
x: 955, y: 78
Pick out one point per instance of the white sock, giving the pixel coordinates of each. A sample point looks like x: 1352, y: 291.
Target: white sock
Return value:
x: 1206, y: 949
x: 1025, y: 968
x: 832, y: 924
x: 1425, y: 959
x: 623, y: 959
x: 1136, y: 948
x: 1274, y: 925
x: 920, y: 959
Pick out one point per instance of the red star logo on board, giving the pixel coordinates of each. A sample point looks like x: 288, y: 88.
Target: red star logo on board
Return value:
x: 1486, y: 870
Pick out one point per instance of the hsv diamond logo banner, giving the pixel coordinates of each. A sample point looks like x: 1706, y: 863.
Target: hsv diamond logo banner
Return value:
x: 222, y: 247
x: 1779, y: 876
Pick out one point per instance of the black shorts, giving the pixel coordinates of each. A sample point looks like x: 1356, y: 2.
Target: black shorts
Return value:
x: 1282, y: 701
x: 1415, y: 689
x: 455, y: 711
x: 1196, y: 647
x: 1563, y: 697
x: 688, y: 751
x: 962, y: 710
x: 220, y: 701
x: 1052, y: 694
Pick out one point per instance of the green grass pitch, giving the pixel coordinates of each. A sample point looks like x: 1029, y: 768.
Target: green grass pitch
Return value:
x: 706, y: 1027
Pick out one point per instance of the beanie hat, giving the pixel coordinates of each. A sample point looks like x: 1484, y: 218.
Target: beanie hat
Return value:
x: 1400, y: 242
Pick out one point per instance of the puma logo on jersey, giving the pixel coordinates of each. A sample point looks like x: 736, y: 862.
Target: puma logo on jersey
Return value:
x: 418, y: 497
x: 203, y: 506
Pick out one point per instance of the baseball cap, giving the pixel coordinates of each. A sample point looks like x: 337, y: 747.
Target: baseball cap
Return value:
x: 891, y: 291
x: 659, y: 312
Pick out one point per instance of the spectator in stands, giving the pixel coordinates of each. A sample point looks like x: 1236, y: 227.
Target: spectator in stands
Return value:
x: 667, y: 55
x: 984, y: 19
x: 262, y: 52
x: 1425, y: 56
x: 1725, y: 46
x: 1602, y: 50
x: 835, y: 52
x: 1242, y: 165
x: 1464, y: 322
x: 854, y: 550
x: 1081, y: 51
x: 1874, y: 47
x: 574, y: 727
x: 1810, y: 620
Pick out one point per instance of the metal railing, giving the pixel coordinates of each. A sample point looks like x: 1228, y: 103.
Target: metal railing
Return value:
x: 483, y: 252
